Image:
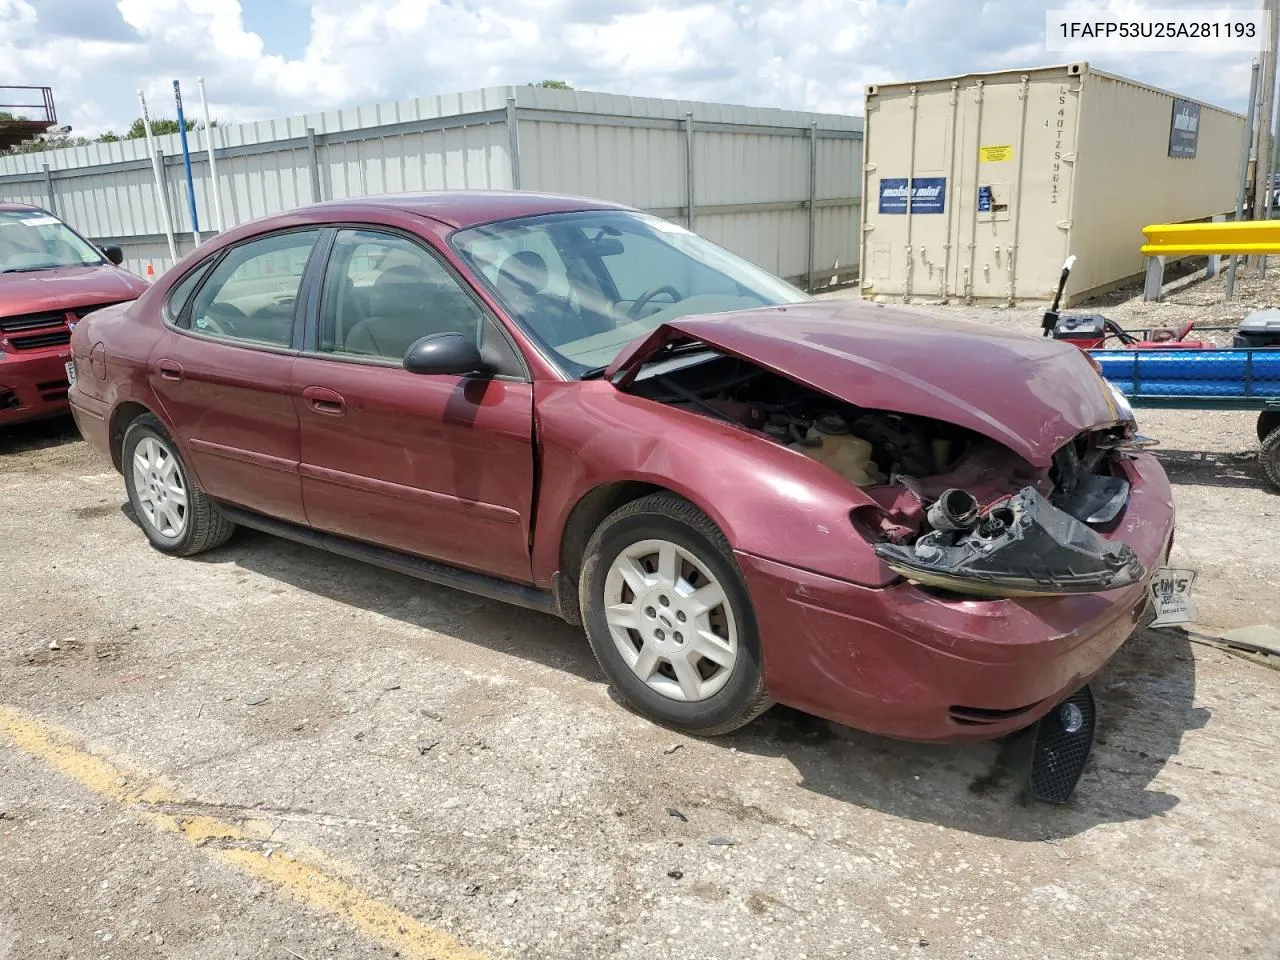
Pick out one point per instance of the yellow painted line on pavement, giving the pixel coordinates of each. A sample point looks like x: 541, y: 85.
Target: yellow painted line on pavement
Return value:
x: 306, y: 880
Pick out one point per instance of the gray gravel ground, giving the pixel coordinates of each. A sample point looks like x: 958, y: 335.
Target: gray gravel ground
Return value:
x: 268, y: 681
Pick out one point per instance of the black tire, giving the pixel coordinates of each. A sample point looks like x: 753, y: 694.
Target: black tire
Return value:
x: 665, y: 516
x: 204, y: 528
x: 1269, y: 457
x: 1268, y: 421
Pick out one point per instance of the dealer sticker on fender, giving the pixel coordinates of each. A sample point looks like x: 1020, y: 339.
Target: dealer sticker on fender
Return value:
x: 1170, y: 591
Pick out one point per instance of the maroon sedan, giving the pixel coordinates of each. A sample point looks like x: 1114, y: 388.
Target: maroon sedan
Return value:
x: 746, y: 496
x: 50, y: 277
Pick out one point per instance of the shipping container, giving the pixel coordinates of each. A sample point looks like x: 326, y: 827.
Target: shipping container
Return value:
x: 978, y: 187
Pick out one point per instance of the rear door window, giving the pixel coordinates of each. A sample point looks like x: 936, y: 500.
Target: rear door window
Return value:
x: 252, y: 294
x: 182, y: 290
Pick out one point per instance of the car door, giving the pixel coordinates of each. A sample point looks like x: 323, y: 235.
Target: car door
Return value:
x: 223, y: 374
x: 436, y: 465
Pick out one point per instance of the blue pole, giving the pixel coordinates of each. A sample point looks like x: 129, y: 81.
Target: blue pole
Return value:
x: 186, y: 162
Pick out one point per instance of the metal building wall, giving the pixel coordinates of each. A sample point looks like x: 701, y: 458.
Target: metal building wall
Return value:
x: 751, y: 170
x: 750, y: 166
x: 107, y: 191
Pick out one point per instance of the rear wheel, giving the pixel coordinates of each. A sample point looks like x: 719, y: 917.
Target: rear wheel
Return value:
x: 669, y: 619
x: 172, y: 510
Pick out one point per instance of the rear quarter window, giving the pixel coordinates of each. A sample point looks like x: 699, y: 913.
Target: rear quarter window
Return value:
x: 181, y: 292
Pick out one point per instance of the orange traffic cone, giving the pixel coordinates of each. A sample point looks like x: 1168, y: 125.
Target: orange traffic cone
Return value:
x: 151, y: 273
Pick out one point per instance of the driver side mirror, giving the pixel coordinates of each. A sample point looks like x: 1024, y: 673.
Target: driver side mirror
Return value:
x: 443, y: 353
x: 113, y: 253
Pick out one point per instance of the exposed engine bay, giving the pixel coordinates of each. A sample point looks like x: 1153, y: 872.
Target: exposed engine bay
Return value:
x: 954, y: 511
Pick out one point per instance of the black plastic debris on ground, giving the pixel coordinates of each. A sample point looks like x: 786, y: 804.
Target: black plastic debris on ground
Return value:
x: 1063, y: 739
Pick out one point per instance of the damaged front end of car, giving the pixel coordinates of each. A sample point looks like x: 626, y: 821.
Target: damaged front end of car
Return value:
x: 949, y: 503
x: 1022, y: 546
x: 1019, y: 546
x: 1044, y: 538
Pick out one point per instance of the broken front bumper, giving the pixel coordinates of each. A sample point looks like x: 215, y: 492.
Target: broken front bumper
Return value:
x: 1023, y: 547
x: 902, y: 662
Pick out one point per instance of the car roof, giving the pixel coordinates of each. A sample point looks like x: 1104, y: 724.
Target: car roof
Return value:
x: 467, y: 208
x: 10, y: 206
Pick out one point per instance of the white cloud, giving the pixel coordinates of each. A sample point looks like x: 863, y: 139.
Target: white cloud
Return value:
x: 808, y: 54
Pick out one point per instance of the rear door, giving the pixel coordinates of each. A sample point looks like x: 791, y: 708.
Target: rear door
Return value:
x: 440, y: 466
x: 224, y: 371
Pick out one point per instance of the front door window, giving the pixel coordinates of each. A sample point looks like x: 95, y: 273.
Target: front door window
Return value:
x: 383, y: 292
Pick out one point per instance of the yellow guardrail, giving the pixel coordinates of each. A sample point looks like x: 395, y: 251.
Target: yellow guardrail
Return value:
x: 1208, y: 239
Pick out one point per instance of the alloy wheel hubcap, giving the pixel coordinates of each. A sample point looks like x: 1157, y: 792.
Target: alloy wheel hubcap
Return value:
x: 161, y: 488
x: 670, y: 619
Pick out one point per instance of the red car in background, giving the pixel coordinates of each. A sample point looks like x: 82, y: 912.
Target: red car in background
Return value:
x: 50, y: 277
x: 746, y: 495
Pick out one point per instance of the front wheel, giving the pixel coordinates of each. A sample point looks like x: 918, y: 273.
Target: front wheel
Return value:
x: 669, y: 618
x: 172, y: 510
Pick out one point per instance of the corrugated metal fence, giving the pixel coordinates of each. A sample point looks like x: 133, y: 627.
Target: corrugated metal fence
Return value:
x: 779, y: 187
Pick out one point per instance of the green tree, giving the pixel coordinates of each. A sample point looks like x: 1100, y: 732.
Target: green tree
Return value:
x: 57, y: 141
x: 552, y: 85
x: 159, y: 127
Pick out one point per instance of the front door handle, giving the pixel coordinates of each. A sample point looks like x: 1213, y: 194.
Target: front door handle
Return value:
x: 170, y: 370
x: 326, y: 401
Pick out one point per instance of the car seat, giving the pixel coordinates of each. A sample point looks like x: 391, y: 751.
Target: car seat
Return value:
x: 406, y: 304
x: 522, y: 285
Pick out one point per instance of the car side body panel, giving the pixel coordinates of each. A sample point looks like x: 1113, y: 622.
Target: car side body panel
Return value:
x: 109, y: 378
x: 231, y: 410
x: 440, y: 466
x: 768, y: 500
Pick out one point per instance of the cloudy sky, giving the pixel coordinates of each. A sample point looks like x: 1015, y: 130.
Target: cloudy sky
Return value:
x: 267, y: 58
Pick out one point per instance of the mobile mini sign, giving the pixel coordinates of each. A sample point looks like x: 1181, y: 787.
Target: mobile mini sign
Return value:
x: 928, y: 195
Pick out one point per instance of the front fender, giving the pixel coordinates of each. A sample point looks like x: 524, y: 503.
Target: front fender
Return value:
x: 768, y: 501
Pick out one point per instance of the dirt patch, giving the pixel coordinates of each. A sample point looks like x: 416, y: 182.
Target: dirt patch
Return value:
x: 96, y: 511
x: 45, y: 445
x: 272, y: 682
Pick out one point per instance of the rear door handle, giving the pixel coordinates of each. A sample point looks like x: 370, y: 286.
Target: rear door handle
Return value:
x: 170, y: 370
x: 326, y: 401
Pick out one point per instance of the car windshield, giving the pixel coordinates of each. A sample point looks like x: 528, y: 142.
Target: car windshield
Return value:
x: 587, y: 284
x: 35, y: 240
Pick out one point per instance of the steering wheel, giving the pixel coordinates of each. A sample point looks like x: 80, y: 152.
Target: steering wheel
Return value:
x: 221, y: 318
x: 643, y: 301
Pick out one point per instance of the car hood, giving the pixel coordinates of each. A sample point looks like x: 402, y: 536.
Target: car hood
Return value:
x: 66, y: 288
x: 1030, y: 394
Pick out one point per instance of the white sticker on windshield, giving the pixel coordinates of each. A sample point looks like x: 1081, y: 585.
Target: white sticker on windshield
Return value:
x: 40, y: 221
